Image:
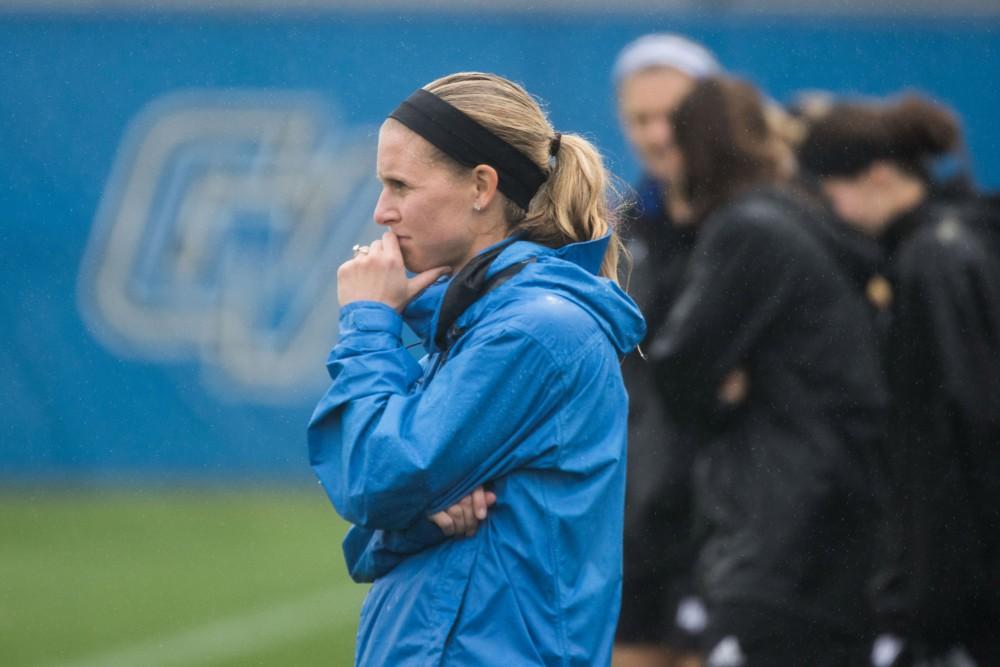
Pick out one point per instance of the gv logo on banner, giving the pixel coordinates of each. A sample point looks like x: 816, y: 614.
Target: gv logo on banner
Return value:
x: 219, y: 236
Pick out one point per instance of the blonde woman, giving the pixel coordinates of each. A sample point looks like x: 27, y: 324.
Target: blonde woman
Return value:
x: 520, y: 390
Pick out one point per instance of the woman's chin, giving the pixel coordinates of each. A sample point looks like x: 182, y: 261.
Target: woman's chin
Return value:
x: 409, y: 260
x: 414, y: 264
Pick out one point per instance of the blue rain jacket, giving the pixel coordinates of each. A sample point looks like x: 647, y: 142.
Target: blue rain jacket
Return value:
x: 530, y: 401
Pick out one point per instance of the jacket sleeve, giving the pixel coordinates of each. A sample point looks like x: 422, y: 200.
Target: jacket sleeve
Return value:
x: 949, y: 339
x: 389, y: 454
x: 947, y: 349
x: 944, y: 367
x: 371, y: 554
x: 739, y: 280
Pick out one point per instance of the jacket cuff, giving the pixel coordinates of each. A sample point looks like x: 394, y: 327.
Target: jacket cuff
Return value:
x: 362, y: 317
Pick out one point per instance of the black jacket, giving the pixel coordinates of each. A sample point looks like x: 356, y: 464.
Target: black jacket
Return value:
x: 942, y: 358
x: 783, y: 480
x: 658, y: 523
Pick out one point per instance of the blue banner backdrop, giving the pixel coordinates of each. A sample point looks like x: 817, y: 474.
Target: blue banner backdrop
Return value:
x: 180, y: 189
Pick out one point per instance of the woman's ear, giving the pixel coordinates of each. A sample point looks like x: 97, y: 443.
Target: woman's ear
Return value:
x: 486, y: 181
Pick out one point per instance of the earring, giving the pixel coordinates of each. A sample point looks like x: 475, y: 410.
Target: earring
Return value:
x: 476, y: 208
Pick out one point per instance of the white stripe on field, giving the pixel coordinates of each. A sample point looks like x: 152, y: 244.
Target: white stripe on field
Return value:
x: 237, y: 635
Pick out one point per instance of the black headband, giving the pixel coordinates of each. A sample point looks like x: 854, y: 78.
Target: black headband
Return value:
x: 470, y: 144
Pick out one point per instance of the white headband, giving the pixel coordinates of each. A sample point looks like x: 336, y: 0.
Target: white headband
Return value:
x: 665, y: 50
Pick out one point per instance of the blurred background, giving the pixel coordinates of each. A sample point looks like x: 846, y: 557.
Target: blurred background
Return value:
x: 182, y: 180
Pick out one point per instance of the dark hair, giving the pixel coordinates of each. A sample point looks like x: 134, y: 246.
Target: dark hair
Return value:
x: 909, y: 132
x: 727, y: 144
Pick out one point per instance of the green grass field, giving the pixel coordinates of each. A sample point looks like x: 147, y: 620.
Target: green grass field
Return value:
x: 192, y: 577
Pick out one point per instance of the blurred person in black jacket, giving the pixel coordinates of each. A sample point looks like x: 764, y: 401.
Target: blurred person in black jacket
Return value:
x: 938, y: 290
x: 662, y: 617
x: 767, y: 355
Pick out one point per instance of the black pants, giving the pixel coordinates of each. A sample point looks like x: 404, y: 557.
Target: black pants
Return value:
x: 745, y: 636
x: 653, y: 612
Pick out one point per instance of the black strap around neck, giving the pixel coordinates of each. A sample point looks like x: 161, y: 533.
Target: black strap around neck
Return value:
x: 467, y: 287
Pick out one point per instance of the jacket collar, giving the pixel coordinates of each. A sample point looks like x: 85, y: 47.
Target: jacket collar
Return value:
x: 422, y: 314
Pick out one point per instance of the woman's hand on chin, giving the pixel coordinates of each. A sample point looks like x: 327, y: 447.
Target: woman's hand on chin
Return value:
x: 376, y: 273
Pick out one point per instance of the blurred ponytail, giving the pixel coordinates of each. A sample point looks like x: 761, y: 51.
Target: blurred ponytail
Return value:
x: 910, y: 132
x: 919, y: 128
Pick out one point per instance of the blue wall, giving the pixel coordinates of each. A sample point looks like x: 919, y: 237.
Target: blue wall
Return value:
x: 137, y: 345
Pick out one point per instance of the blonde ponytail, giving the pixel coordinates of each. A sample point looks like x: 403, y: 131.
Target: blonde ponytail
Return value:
x: 572, y: 205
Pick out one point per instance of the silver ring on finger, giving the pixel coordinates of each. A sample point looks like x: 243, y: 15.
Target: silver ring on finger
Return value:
x: 359, y: 249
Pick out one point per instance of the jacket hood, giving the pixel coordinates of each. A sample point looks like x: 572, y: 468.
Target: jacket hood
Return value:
x: 572, y: 271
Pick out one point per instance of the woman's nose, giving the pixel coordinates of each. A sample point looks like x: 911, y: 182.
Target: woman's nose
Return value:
x: 383, y: 212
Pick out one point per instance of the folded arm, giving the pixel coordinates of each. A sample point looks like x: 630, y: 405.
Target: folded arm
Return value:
x: 389, y: 454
